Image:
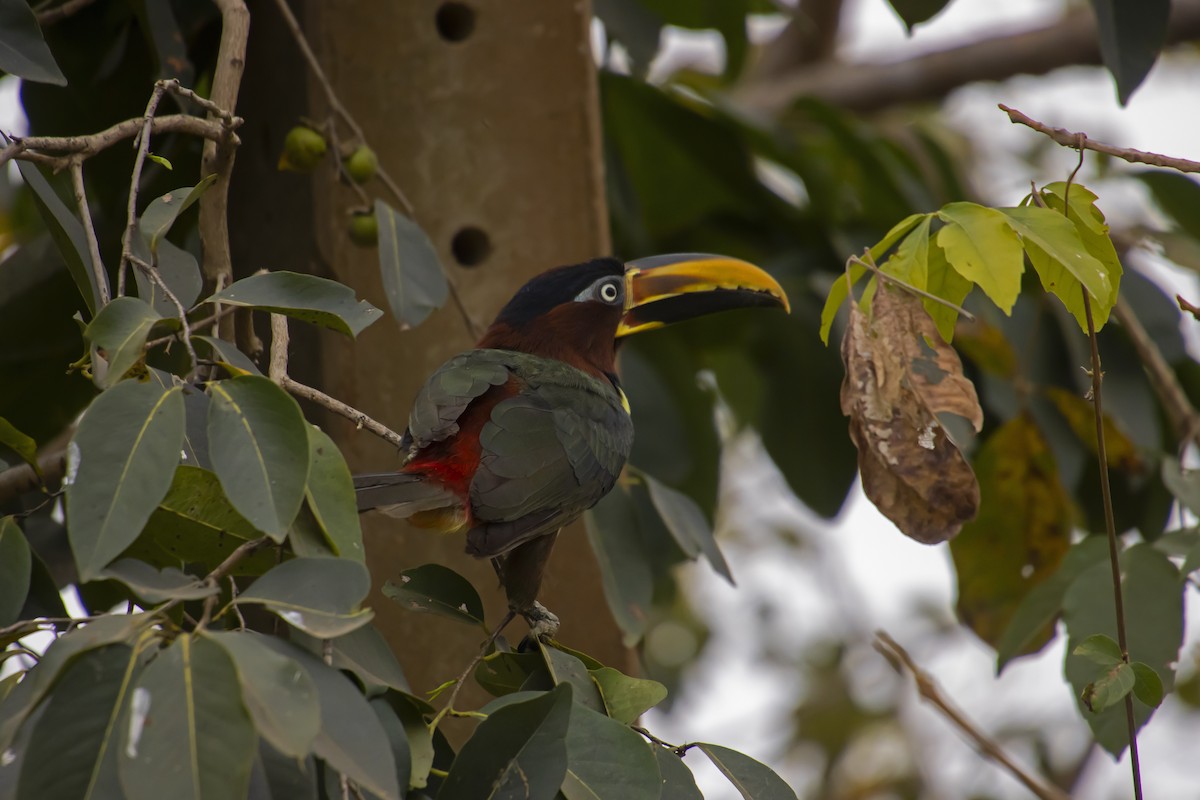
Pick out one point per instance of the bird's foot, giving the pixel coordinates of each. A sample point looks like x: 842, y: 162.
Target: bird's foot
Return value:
x: 542, y: 623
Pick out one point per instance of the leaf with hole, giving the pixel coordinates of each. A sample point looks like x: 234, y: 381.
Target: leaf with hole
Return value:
x: 606, y: 760
x: 320, y: 596
x: 189, y: 736
x: 258, y: 442
x: 753, y: 779
x: 1131, y: 36
x: 156, y: 586
x: 330, y: 493
x: 308, y: 298
x: 351, y: 739
x: 162, y: 212
x: 981, y: 245
x: 276, y: 690
x: 627, y: 698
x: 16, y: 565
x: 120, y: 330
x: 435, y: 589
x: 519, y: 751
x: 66, y: 231
x: 412, y: 275
x: 23, y: 51
x: 119, y: 466
x: 86, y: 716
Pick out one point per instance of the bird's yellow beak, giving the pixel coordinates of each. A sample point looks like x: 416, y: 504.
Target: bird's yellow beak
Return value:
x: 663, y: 289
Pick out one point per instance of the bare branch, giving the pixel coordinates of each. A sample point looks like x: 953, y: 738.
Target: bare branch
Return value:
x: 874, y: 86
x: 50, y: 149
x: 135, y: 181
x: 988, y: 747
x: 277, y: 371
x: 1078, y: 141
x: 152, y: 273
x: 466, y: 673
x: 89, y: 231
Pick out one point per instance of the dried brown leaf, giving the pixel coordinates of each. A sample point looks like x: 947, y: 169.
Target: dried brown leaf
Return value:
x: 901, y: 381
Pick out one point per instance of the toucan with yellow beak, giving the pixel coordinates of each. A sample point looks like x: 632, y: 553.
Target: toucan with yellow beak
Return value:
x: 516, y: 438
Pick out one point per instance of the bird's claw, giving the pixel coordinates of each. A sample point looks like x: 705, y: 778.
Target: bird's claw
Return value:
x: 543, y: 624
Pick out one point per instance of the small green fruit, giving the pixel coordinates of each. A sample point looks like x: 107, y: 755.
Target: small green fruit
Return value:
x: 303, y: 150
x: 364, y: 229
x: 362, y: 164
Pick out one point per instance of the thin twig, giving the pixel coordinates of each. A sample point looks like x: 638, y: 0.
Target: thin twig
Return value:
x: 151, y: 272
x: 89, y: 231
x: 1080, y: 141
x: 466, y: 673
x: 193, y: 327
x: 134, y: 182
x: 677, y: 749
x: 277, y: 370
x: 988, y: 747
x: 215, y: 577
x: 45, y: 148
x: 869, y: 263
x: 226, y: 116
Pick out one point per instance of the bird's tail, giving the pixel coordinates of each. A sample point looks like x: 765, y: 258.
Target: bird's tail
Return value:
x: 401, y: 494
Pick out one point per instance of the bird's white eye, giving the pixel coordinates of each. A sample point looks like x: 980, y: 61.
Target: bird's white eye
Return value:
x: 609, y: 292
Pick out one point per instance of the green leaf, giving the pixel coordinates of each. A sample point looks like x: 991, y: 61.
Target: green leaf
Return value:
x: 397, y: 739
x: 66, y: 231
x: 1026, y: 631
x: 412, y: 275
x: 677, y: 780
x: 439, y: 590
x: 753, y: 779
x: 24, y: 446
x: 365, y: 653
x: 1183, y: 484
x: 23, y: 51
x: 944, y: 282
x: 1153, y: 605
x: 687, y: 524
x: 227, y: 354
x: 628, y: 583
x: 1177, y: 196
x: 156, y: 586
x: 914, y: 12
x: 30, y: 691
x: 607, y: 761
x: 566, y: 668
x: 910, y: 262
x: 1093, y: 231
x: 177, y: 268
x: 1131, y: 35
x: 519, y: 751
x: 627, y: 698
x: 196, y: 524
x: 1110, y: 688
x: 320, y: 596
x: 503, y: 673
x: 838, y: 293
x: 258, y: 442
x: 1099, y: 649
x: 420, y: 740
x: 351, y: 739
x: 121, y: 329
x: 119, y: 466
x: 285, y: 778
x: 157, y: 159
x: 85, y: 717
x: 16, y: 565
x: 982, y: 247
x: 1148, y: 686
x: 1062, y: 261
x: 189, y: 736
x: 162, y: 212
x: 319, y: 301
x: 898, y: 231
x: 330, y: 493
x: 277, y: 691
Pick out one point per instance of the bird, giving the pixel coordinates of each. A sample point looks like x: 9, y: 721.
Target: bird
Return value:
x: 514, y: 439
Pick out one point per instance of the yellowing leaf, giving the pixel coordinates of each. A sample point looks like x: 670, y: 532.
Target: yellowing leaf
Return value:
x: 1121, y: 451
x: 983, y: 247
x: 944, y: 282
x: 900, y: 378
x: 1021, y: 534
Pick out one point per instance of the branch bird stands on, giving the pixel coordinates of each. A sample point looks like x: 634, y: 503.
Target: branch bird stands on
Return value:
x: 515, y: 439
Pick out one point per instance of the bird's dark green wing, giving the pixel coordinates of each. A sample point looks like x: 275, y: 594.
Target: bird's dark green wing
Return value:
x: 449, y: 391
x: 548, y: 454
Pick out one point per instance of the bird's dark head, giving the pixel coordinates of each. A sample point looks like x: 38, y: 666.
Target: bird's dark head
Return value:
x: 576, y: 313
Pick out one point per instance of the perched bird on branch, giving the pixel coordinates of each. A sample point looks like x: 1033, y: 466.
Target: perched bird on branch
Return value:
x: 518, y: 437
